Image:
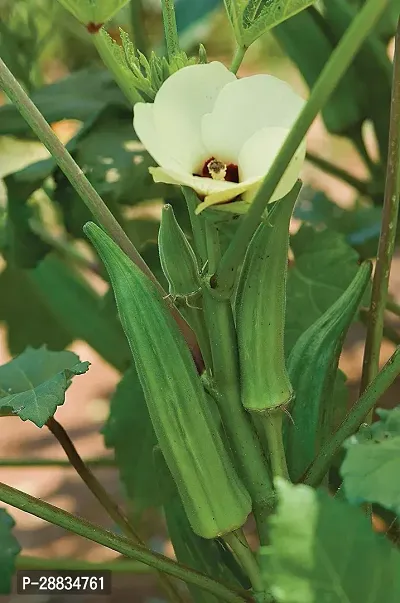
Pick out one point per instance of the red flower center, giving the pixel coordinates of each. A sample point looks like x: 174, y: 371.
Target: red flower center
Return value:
x: 212, y: 165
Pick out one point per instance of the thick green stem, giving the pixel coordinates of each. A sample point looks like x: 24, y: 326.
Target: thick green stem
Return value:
x: 272, y: 425
x: 237, y: 542
x: 328, y: 167
x: 250, y: 461
x: 388, y: 234
x: 353, y: 420
x: 335, y: 68
x: 237, y: 59
x: 104, y: 498
x: 86, y: 529
x: 87, y: 193
x: 170, y: 29
x: 105, y: 463
x: 24, y: 562
x: 103, y: 44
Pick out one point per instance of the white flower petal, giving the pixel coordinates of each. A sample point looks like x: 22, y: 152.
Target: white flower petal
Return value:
x: 143, y: 122
x: 242, y: 108
x: 205, y: 187
x: 258, y: 155
x: 179, y: 106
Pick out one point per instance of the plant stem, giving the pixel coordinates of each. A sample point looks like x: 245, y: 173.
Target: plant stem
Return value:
x: 335, y: 68
x: 100, y: 463
x: 388, y: 234
x: 170, y: 28
x: 88, y: 194
x: 237, y: 542
x: 91, y: 481
x: 353, y: 420
x: 121, y: 544
x: 238, y: 58
x: 104, y: 45
x: 328, y: 167
x: 103, y: 497
x: 393, y: 307
x: 25, y: 562
x: 272, y: 423
x: 250, y: 461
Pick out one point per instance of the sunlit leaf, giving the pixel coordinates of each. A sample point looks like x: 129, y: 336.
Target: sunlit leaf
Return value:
x: 251, y: 18
x: 323, y: 550
x: 34, y: 384
x: 371, y: 468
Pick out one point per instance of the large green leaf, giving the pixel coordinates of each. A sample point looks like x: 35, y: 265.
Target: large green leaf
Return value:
x: 24, y: 247
x: 25, y: 311
x: 251, y: 18
x: 8, y: 552
x: 324, y: 267
x: 77, y: 306
x: 309, y: 46
x: 371, y: 468
x: 34, y: 384
x: 81, y: 96
x: 361, y: 224
x: 323, y: 550
x: 130, y: 433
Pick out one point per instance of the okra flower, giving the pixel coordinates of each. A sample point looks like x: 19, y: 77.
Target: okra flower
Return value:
x: 217, y: 134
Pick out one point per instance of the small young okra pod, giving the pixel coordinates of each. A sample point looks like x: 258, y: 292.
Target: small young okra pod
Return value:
x: 260, y: 312
x: 215, y: 500
x: 177, y: 257
x: 181, y: 269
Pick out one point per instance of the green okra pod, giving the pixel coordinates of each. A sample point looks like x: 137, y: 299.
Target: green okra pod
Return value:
x: 215, y: 500
x: 312, y: 367
x: 260, y: 312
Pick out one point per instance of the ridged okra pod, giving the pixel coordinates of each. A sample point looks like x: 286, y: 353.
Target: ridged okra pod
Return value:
x: 312, y: 367
x: 260, y: 312
x: 214, y: 498
x: 181, y: 269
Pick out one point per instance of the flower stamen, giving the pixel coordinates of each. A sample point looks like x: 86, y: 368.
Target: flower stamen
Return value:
x: 217, y: 169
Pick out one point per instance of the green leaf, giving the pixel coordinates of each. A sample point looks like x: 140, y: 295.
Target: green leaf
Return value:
x: 371, y: 467
x: 361, y: 224
x: 34, y: 384
x: 323, y: 550
x: 8, y: 552
x: 324, y: 267
x: 251, y: 18
x: 24, y: 247
x: 77, y: 306
x: 309, y: 46
x: 130, y: 433
x: 82, y: 96
x: 208, y: 556
x: 94, y: 12
x: 25, y: 311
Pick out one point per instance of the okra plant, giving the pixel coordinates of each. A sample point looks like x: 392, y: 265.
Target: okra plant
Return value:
x: 232, y: 416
